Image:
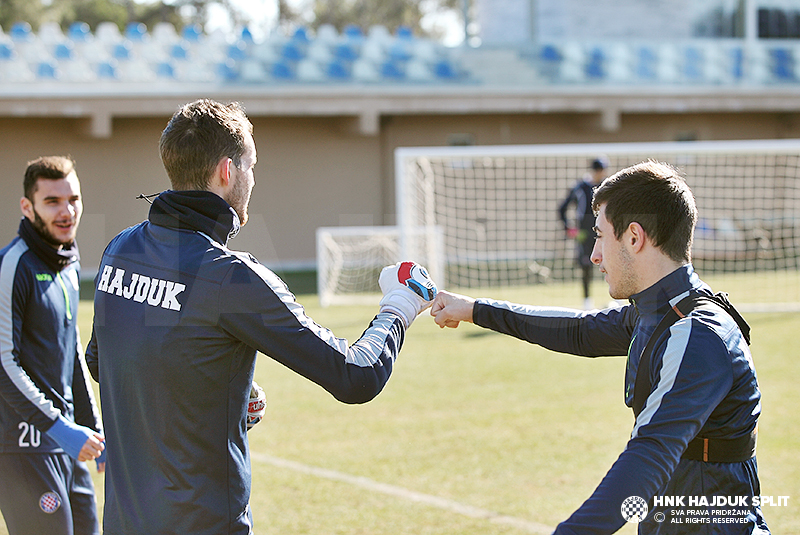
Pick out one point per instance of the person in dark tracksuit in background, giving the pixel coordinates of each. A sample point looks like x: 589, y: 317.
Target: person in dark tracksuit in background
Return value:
x: 49, y: 423
x: 690, y: 381
x: 581, y: 230
x: 178, y: 320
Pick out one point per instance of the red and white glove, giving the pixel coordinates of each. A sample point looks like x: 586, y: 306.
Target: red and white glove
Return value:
x: 256, y: 406
x: 407, y: 290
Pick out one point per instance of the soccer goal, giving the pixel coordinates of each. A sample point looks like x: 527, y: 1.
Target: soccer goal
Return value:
x: 350, y: 259
x: 496, y: 207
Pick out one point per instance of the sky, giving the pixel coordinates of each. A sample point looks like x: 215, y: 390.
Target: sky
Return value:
x: 264, y: 14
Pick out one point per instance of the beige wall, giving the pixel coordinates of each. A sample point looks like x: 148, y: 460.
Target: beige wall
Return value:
x: 313, y: 171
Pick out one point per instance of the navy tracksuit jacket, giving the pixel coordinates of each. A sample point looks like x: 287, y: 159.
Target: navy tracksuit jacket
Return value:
x: 178, y: 320
x: 703, y: 382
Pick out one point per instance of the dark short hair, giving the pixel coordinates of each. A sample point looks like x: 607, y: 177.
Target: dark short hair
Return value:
x: 600, y: 163
x: 49, y: 167
x: 197, y: 137
x: 656, y: 196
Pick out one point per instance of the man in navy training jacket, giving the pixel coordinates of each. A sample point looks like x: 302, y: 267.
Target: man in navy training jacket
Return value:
x: 702, y: 382
x: 49, y: 423
x: 178, y: 320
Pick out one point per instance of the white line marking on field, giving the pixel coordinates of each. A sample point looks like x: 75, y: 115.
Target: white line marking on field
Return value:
x: 400, y: 492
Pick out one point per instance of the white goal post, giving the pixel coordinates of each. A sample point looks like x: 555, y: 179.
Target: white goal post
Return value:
x: 350, y: 259
x: 496, y: 207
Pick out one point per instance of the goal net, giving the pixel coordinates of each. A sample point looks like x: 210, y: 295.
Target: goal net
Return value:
x: 350, y: 259
x: 497, y: 206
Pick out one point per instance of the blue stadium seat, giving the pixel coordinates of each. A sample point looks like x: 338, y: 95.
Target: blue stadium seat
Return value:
x: 693, y: 69
x: 136, y: 31
x: 596, y: 64
x: 6, y: 51
x: 79, y: 32
x: 47, y: 70
x: 64, y: 51
x: 301, y: 35
x: 404, y: 32
x: 179, y: 51
x: 345, y: 51
x: 192, y: 32
x: 337, y: 70
x: 353, y: 32
x: 646, y: 64
x: 445, y: 70
x: 736, y: 65
x: 392, y: 71
x: 21, y: 31
x: 282, y: 71
x: 292, y: 51
x: 165, y: 70
x: 122, y: 51
x: 238, y: 51
x: 782, y: 64
x: 107, y: 71
x: 246, y: 35
x: 227, y: 72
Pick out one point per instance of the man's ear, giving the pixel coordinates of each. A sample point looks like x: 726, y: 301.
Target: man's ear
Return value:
x: 221, y: 177
x: 636, y: 237
x: 26, y: 206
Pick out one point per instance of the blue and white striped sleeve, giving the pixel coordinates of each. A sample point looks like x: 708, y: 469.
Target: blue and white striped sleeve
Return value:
x: 269, y: 319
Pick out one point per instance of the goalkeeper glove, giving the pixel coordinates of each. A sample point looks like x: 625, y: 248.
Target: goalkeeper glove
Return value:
x: 256, y: 405
x: 407, y: 290
x: 70, y: 436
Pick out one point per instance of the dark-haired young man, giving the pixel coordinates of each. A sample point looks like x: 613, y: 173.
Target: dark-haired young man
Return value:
x: 48, y: 419
x: 178, y: 319
x: 693, y: 389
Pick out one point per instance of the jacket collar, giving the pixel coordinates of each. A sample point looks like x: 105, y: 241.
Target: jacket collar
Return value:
x: 55, y: 259
x: 656, y: 298
x: 200, y: 211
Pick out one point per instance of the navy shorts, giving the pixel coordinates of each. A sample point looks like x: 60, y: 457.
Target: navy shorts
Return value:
x: 47, y: 493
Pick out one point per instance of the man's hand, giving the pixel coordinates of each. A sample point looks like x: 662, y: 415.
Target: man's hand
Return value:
x: 256, y: 405
x: 407, y: 290
x: 450, y: 309
x: 77, y: 441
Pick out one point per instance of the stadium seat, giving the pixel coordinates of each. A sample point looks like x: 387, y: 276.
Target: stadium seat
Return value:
x: 252, y: 71
x: 78, y: 70
x: 326, y: 33
x: 165, y: 70
x: 192, y: 32
x: 668, y: 66
x: 50, y: 33
x: 246, y: 35
x: 693, y: 68
x: 282, y: 71
x: 309, y: 71
x: 293, y: 51
x: 108, y: 33
x: 165, y: 33
x: 596, y: 64
x: 79, y: 32
x: 16, y: 70
x: 107, y: 70
x: 646, y: 64
x: 353, y: 33
x: 345, y: 51
x: 419, y: 71
x: 782, y: 64
x: 391, y: 70
x: 337, y: 70
x: 301, y: 35
x: 63, y: 51
x: 238, y: 51
x: 123, y: 51
x: 445, y: 70
x: 21, y: 32
x: 365, y: 71
x: 319, y: 51
x: 7, y: 51
x: 136, y: 31
x: 179, y: 51
x: 47, y: 70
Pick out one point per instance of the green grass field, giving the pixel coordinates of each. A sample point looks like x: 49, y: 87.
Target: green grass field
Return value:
x: 476, y: 433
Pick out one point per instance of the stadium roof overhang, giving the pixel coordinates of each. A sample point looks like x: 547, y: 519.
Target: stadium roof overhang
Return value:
x: 363, y: 106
